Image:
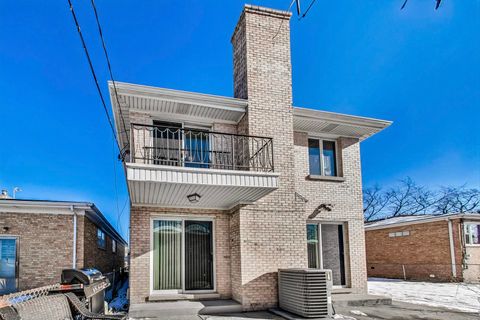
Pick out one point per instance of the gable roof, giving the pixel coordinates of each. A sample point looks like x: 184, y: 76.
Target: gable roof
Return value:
x: 416, y: 219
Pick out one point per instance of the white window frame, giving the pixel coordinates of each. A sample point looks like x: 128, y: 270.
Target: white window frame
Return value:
x: 322, y: 165
x: 100, y: 231
x: 346, y: 256
x: 182, y: 219
x: 466, y: 226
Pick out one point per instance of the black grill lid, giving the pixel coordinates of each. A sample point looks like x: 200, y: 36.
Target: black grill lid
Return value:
x: 84, y: 276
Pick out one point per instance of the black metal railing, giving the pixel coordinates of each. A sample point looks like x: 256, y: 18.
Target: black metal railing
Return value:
x: 200, y: 149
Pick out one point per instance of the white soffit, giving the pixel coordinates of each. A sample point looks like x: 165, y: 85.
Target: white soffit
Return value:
x: 219, y: 189
x: 336, y: 124
x: 172, y: 104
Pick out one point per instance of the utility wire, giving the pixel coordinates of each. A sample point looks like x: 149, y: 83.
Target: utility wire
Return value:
x: 281, y: 23
x: 306, y: 11
x: 93, y: 72
x: 110, y: 71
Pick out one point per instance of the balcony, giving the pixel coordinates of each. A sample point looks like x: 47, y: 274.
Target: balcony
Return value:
x: 168, y: 163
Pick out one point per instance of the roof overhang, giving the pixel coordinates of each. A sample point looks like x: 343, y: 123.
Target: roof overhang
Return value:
x: 62, y: 208
x: 171, y: 104
x: 428, y: 219
x: 335, y: 124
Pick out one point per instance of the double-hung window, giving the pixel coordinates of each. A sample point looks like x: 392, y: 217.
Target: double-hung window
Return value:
x: 322, y: 156
x: 472, y: 233
x: 101, y: 239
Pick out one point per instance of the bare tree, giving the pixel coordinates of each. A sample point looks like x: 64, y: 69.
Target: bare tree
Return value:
x: 408, y: 199
x: 458, y: 200
x: 374, y: 202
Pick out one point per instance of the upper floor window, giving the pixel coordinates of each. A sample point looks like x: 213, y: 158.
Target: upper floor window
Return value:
x: 472, y: 233
x: 114, y: 246
x: 322, y: 157
x: 101, y: 239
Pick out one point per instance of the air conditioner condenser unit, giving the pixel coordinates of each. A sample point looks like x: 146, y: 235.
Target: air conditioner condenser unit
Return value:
x: 306, y: 292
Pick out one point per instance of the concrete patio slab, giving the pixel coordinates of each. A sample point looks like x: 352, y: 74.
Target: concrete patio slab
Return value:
x: 182, y: 308
x: 351, y: 299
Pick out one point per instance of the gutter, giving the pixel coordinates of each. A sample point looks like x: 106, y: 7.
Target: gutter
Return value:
x: 74, y: 253
x: 452, y: 248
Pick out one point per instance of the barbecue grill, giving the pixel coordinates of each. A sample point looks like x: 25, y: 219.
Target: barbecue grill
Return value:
x: 87, y: 284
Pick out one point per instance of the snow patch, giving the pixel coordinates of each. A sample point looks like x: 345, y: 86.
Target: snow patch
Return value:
x: 454, y: 296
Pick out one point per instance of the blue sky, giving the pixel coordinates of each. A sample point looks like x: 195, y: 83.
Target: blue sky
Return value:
x: 418, y: 67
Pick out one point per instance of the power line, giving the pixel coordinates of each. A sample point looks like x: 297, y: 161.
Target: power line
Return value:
x: 92, y: 70
x: 281, y: 23
x: 308, y: 9
x: 110, y: 70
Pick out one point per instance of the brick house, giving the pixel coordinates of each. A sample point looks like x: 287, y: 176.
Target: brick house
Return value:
x: 225, y: 191
x: 38, y: 239
x: 427, y: 247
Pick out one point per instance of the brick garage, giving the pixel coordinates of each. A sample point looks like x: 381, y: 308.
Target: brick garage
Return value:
x: 44, y: 232
x: 419, y: 248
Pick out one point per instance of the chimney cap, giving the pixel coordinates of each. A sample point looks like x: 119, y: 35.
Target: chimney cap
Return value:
x: 267, y: 11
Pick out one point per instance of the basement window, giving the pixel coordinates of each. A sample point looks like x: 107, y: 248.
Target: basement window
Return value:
x: 472, y: 233
x: 101, y: 239
x: 399, y: 234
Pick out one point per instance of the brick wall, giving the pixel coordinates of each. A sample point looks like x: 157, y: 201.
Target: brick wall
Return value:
x: 271, y: 233
x: 140, y: 248
x: 425, y: 252
x: 103, y: 259
x: 45, y: 245
x: 345, y: 197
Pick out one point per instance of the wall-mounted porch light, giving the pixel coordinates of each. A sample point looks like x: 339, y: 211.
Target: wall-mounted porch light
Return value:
x: 194, y: 197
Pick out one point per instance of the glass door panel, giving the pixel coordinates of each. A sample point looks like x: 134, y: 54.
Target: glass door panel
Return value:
x: 198, y: 255
x: 197, y: 149
x: 167, y: 255
x: 313, y: 246
x: 8, y: 265
x: 333, y: 251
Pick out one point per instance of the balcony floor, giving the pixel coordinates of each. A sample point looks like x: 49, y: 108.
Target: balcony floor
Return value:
x: 169, y: 186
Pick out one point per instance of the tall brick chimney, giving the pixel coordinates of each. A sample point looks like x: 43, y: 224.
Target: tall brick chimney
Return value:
x: 271, y: 233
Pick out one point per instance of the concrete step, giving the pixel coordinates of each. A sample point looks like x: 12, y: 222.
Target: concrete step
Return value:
x: 183, y: 308
x: 359, y: 300
x: 183, y: 296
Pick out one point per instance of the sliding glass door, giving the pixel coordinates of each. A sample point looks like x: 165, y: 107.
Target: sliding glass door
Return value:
x: 167, y: 255
x: 198, y: 255
x: 326, y: 250
x: 182, y: 255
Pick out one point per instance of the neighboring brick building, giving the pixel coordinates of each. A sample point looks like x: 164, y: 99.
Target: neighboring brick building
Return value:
x: 37, y: 242
x: 427, y: 247
x: 225, y: 191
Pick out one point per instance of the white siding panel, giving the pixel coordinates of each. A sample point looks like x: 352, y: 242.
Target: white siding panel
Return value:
x: 169, y: 186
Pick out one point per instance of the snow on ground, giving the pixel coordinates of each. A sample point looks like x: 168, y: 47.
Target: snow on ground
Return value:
x: 456, y: 296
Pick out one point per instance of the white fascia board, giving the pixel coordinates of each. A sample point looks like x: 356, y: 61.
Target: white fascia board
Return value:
x: 444, y: 217
x: 208, y: 100
x: 340, y: 118
x: 202, y: 170
x: 38, y: 207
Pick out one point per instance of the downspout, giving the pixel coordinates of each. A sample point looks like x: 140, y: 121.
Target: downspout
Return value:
x: 74, y: 255
x: 452, y: 248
